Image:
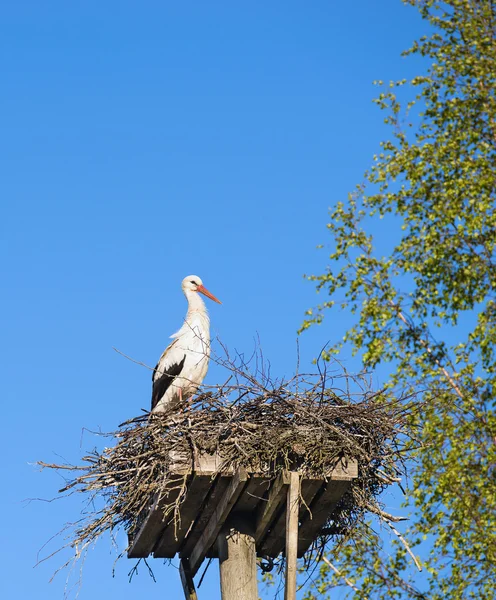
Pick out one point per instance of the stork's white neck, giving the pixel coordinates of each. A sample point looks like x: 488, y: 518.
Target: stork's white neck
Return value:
x: 195, y: 303
x: 196, y: 317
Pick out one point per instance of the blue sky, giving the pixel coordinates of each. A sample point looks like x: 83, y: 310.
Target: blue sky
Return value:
x: 142, y: 142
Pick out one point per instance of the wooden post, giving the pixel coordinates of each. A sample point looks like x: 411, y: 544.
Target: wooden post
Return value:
x: 237, y: 560
x: 187, y: 580
x: 292, y: 510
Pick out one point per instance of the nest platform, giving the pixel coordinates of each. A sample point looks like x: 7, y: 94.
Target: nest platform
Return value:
x: 212, y: 497
x: 274, y: 469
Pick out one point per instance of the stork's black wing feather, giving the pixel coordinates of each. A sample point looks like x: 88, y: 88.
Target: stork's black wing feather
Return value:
x: 163, y: 382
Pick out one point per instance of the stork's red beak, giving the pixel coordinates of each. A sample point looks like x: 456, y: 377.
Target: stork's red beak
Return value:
x: 203, y: 290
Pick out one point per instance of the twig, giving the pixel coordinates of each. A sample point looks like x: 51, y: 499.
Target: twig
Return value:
x: 343, y: 577
x: 136, y: 362
x: 405, y: 544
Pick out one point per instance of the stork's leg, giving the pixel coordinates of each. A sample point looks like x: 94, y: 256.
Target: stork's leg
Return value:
x: 181, y: 395
x: 191, y: 399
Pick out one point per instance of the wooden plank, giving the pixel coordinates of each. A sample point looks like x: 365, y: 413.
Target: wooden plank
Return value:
x: 154, y: 524
x: 218, y: 518
x: 309, y: 489
x: 181, y: 462
x: 196, y: 516
x: 187, y: 580
x: 268, y: 510
x: 292, y: 510
x: 253, y: 493
x: 210, y: 503
x: 322, y: 508
x: 237, y: 559
x: 251, y: 496
x: 146, y: 537
x: 345, y: 469
x: 275, y: 540
x: 173, y: 536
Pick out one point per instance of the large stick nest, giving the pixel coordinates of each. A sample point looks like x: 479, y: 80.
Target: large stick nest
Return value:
x: 307, y: 422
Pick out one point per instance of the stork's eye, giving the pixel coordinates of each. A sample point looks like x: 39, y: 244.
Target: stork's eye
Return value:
x: 193, y: 282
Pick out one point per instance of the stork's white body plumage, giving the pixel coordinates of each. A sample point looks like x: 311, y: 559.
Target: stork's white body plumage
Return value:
x: 184, y: 363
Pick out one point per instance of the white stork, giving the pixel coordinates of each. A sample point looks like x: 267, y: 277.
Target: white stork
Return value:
x: 184, y: 363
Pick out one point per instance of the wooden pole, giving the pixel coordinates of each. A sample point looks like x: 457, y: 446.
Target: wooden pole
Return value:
x: 237, y: 560
x: 292, y: 509
x: 187, y: 580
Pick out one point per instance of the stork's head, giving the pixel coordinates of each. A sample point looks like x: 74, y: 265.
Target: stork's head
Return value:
x: 193, y: 283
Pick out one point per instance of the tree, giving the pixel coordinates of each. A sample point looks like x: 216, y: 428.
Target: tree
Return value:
x: 426, y: 308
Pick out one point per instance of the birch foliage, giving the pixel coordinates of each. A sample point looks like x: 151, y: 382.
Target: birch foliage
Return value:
x: 422, y: 293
